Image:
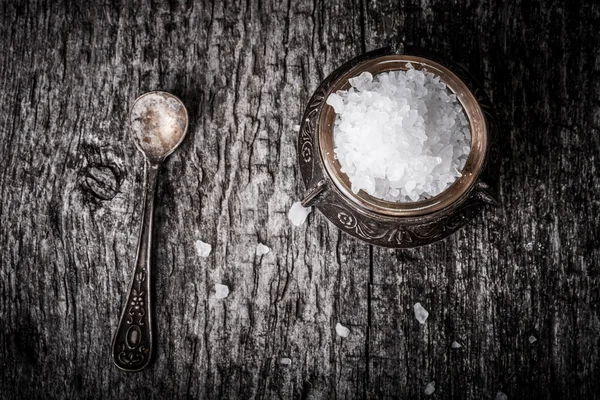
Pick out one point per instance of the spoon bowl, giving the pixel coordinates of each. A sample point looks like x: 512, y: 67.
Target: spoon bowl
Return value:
x: 158, y: 122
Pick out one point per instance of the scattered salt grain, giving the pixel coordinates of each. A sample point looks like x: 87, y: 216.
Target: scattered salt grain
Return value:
x: 261, y: 249
x: 532, y: 339
x: 421, y: 314
x: 430, y: 388
x: 400, y: 135
x: 298, y: 213
x: 341, y: 330
x: 221, y: 291
x: 501, y: 396
x: 456, y: 345
x: 529, y: 246
x: 203, y: 249
x: 296, y: 128
x: 285, y: 361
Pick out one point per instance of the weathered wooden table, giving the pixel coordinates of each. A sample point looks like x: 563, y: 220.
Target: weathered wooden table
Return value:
x: 70, y: 184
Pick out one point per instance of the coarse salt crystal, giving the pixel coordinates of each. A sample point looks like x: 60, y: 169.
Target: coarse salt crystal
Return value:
x: 203, y: 249
x: 501, y: 396
x: 532, y: 339
x: 400, y: 115
x: 456, y: 345
x: 221, y: 291
x: 298, y: 213
x: 261, y: 249
x: 362, y: 81
x: 285, y: 361
x: 421, y: 314
x: 296, y: 128
x: 430, y: 388
x: 341, y: 330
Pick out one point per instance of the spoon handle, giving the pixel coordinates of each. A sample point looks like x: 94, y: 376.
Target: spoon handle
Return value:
x: 132, y: 344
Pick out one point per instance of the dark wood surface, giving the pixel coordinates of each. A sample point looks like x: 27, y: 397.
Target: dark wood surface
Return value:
x: 70, y: 202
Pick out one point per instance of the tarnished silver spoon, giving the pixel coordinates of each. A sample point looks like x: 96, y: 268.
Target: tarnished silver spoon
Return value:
x: 158, y: 123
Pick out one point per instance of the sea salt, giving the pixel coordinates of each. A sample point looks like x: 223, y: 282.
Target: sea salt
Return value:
x: 455, y: 345
x: 501, y: 396
x: 285, y: 361
x: 221, y: 291
x: 296, y: 128
x: 421, y: 314
x: 341, y: 330
x: 203, y: 249
x: 430, y: 388
x: 532, y: 339
x: 298, y: 213
x: 261, y: 249
x: 400, y: 135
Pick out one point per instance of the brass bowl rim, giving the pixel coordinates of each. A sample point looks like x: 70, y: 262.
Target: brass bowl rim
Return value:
x: 449, y: 197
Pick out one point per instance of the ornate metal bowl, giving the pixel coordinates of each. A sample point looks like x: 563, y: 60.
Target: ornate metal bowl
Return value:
x: 392, y: 224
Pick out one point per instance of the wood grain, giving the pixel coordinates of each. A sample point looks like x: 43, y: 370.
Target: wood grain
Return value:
x: 70, y: 202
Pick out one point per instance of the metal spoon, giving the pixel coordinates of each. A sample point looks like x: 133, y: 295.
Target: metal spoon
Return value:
x: 158, y: 123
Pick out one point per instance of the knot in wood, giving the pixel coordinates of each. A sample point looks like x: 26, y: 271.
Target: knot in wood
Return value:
x: 102, y: 181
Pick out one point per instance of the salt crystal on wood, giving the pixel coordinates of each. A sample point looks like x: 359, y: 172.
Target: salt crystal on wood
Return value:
x: 298, y: 213
x: 261, y: 249
x: 203, y: 249
x: 296, y: 128
x: 430, y: 388
x: 341, y: 330
x: 501, y: 396
x: 421, y: 314
x: 532, y: 339
x: 286, y: 361
x: 456, y: 345
x: 221, y: 291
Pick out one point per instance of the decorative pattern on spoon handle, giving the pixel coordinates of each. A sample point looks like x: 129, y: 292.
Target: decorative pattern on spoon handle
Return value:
x: 132, y: 343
